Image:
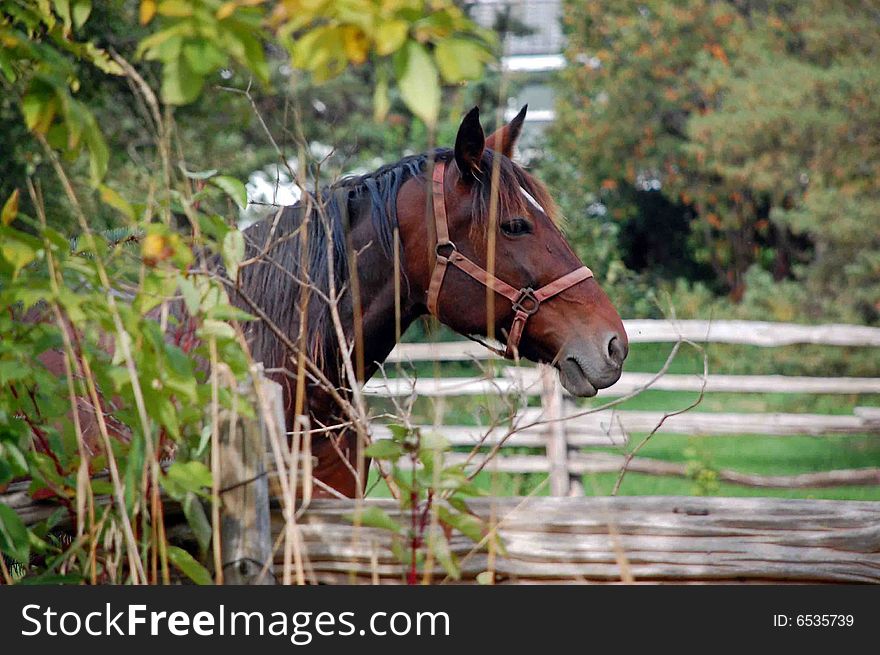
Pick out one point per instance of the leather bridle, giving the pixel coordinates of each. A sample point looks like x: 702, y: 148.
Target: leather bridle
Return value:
x: 526, y: 301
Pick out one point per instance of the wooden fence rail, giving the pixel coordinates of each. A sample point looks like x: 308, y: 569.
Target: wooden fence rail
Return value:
x: 527, y: 381
x: 638, y: 539
x: 754, y: 333
x: 632, y: 539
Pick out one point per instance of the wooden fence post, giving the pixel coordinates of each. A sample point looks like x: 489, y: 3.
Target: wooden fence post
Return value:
x: 557, y: 444
x: 245, y: 531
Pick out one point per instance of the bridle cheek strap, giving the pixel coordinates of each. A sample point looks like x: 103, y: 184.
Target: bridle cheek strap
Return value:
x: 526, y: 301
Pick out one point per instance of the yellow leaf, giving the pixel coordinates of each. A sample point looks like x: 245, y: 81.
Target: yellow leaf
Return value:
x: 355, y: 43
x: 156, y: 248
x: 112, y: 198
x: 175, y: 8
x: 390, y: 36
x: 226, y: 10
x: 10, y: 208
x: 148, y: 10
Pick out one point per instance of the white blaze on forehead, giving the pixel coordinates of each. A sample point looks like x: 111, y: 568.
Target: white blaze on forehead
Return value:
x: 532, y: 201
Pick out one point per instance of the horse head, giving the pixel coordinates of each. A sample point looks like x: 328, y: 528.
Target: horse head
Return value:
x: 498, y: 264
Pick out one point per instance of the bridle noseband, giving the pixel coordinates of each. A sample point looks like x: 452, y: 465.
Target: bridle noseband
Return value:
x: 526, y: 301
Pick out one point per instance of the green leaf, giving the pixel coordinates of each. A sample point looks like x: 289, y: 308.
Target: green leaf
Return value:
x: 134, y: 470
x: 433, y: 441
x: 198, y: 520
x: 180, y: 84
x: 229, y: 313
x: 14, y: 539
x: 384, y: 449
x: 185, y: 477
x: 320, y: 51
x: 189, y: 566
x: 198, y: 175
x: 18, y: 254
x: 217, y: 329
x: 440, y: 547
x: 166, y: 415
x: 419, y: 82
x: 468, y: 524
x: 459, y: 60
x: 233, y: 188
x: 381, y: 101
x: 99, y: 154
x: 375, y: 517
x: 81, y: 11
x: 62, y: 8
x: 7, y: 68
x: 203, y: 56
x: 39, y: 106
x: 191, y: 296
x: 233, y: 252
x: 102, y: 487
x: 485, y: 578
x: 398, y: 432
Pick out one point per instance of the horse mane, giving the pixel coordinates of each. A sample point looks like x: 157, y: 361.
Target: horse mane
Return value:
x: 275, y: 280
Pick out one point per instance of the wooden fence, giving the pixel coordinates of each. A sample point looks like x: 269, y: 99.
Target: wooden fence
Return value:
x: 598, y: 539
x: 562, y: 430
x: 639, y: 539
x: 618, y: 539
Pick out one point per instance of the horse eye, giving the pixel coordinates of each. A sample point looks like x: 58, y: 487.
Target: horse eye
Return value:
x: 516, y: 227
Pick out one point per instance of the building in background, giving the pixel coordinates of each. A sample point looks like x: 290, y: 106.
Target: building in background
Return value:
x: 530, y: 60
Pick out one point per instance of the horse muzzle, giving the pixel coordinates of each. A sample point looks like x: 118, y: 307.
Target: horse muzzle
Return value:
x: 589, y: 365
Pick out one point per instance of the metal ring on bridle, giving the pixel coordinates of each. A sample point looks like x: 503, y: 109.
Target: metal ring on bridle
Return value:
x: 527, y: 303
x: 445, y: 244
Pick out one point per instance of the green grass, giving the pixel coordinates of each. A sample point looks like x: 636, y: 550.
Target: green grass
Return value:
x: 745, y: 453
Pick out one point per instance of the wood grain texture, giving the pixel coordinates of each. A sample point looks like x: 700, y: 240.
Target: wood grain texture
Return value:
x: 244, y: 491
x: 659, y: 539
x: 587, y: 539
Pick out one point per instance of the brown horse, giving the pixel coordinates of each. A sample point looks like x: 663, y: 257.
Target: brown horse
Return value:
x: 442, y: 205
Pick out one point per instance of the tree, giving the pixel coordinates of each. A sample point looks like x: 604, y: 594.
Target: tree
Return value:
x: 760, y: 119
x: 61, y: 73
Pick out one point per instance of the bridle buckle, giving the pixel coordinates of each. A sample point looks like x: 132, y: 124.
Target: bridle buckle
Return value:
x: 527, y: 302
x: 445, y: 244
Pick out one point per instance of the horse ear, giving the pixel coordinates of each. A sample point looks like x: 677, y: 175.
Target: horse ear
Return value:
x: 469, y: 144
x: 504, y: 138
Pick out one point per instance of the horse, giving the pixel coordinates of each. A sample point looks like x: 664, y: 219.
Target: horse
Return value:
x: 323, y: 277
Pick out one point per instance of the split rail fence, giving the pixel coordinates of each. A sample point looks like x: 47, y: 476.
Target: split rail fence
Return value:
x: 563, y: 438
x: 595, y: 539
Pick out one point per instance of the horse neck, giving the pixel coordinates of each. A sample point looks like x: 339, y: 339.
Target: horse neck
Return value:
x: 375, y: 279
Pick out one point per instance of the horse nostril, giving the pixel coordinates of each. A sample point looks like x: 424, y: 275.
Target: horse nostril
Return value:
x: 616, y: 349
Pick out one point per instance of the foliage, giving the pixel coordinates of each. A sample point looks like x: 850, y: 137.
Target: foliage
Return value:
x: 758, y: 120
x: 424, y: 40
x: 187, y: 46
x: 433, y: 493
x: 36, y: 37
x: 116, y: 347
x: 107, y: 308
